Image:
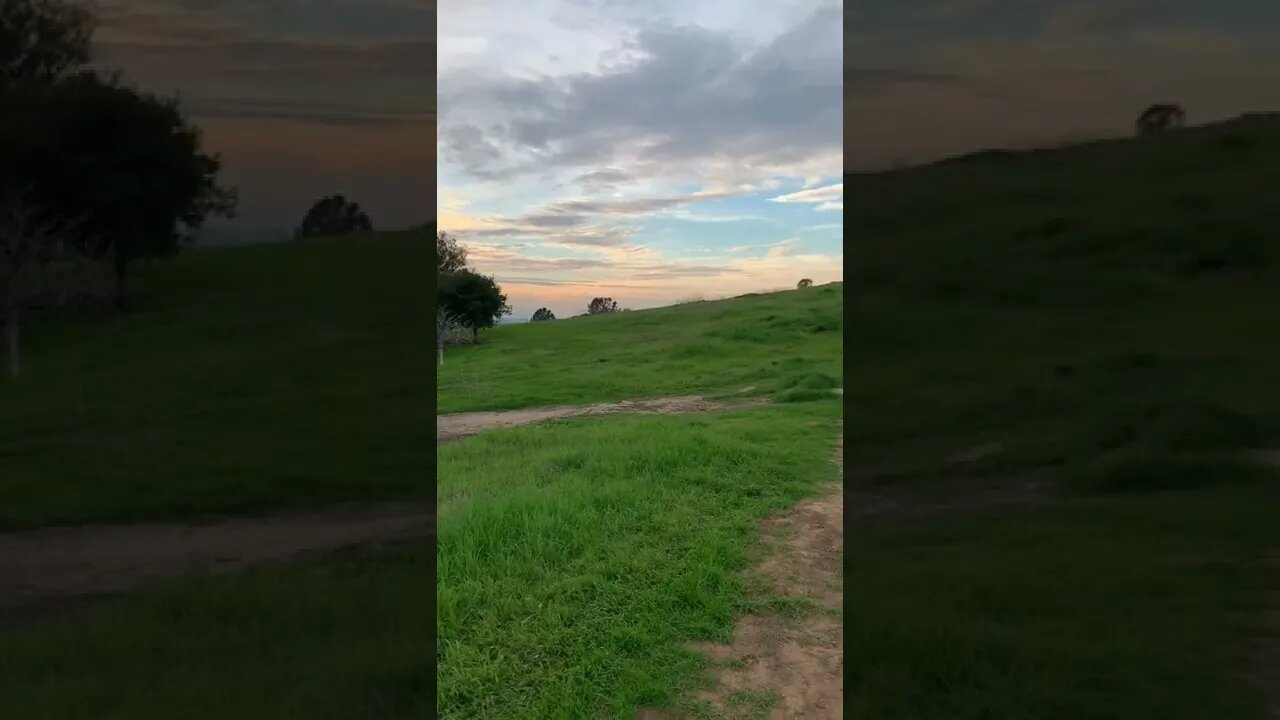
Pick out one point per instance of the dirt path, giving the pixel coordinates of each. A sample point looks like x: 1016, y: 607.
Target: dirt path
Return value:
x: 783, y: 668
x: 52, y: 566
x: 457, y: 425
x: 1265, y: 672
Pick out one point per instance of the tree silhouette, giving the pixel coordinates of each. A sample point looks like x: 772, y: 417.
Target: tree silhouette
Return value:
x: 125, y: 161
x: 42, y: 40
x: 601, y: 306
x: 333, y: 215
x: 542, y: 315
x: 450, y: 256
x: 1160, y: 117
x: 806, y: 282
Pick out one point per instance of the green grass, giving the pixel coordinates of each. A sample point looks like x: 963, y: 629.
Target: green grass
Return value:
x: 575, y: 560
x: 695, y: 348
x: 249, y: 378
x: 346, y: 637
x: 1105, y: 313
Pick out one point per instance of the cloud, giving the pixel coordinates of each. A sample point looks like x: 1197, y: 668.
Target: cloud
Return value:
x: 829, y: 197
x: 1084, y: 17
x: 307, y: 112
x: 679, y: 99
x: 823, y: 194
x: 786, y: 248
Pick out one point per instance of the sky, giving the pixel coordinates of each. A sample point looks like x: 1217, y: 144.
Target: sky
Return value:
x: 302, y: 98
x: 931, y: 78
x: 650, y: 152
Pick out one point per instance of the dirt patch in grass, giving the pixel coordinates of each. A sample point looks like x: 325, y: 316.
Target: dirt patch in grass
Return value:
x: 1265, y: 674
x: 789, y: 667
x: 51, y: 567
x: 1031, y: 489
x: 458, y: 425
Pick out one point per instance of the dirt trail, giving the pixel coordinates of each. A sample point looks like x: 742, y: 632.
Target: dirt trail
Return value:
x: 793, y: 666
x: 457, y: 425
x: 51, y: 566
x: 1265, y: 672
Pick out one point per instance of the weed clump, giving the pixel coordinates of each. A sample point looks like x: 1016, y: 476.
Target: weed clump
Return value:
x: 804, y: 387
x: 1167, y: 446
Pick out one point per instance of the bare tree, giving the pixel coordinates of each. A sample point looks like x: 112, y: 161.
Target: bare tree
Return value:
x: 445, y: 322
x: 36, y: 253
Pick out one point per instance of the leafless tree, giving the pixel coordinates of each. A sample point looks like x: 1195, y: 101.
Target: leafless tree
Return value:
x: 38, y: 259
x: 445, y: 323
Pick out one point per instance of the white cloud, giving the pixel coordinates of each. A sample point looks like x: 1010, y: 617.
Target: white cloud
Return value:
x: 828, y: 197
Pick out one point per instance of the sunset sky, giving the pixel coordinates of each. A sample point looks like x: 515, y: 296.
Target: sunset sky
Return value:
x: 653, y: 151
x: 303, y: 98
x: 931, y: 78
x: 648, y: 152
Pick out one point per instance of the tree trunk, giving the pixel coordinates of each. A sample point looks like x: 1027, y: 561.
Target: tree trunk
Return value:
x: 11, y: 321
x: 122, y: 273
x: 475, y: 335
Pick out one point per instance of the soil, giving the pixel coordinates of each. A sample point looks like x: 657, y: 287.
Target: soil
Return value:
x: 1265, y: 673
x: 458, y: 425
x: 783, y: 668
x: 50, y: 567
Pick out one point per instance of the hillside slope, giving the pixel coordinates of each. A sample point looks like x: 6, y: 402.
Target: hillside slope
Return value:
x: 1062, y: 364
x: 704, y: 347
x: 248, y: 378
x: 1036, y: 286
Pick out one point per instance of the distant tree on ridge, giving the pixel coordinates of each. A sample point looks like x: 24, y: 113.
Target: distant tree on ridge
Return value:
x: 601, y: 306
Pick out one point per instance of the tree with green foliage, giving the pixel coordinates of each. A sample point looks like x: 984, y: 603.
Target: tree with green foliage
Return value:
x: 450, y: 256
x: 601, y: 306
x: 542, y: 315
x: 42, y: 40
x: 806, y: 282
x: 331, y: 216
x: 475, y: 300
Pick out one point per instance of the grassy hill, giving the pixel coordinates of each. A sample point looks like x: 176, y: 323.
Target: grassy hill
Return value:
x: 764, y: 341
x: 248, y: 378
x: 1093, y: 328
x: 574, y: 559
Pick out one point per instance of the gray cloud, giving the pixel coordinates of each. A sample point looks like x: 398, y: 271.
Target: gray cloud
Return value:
x: 279, y: 59
x: 691, y: 94
x: 572, y: 233
x: 307, y: 112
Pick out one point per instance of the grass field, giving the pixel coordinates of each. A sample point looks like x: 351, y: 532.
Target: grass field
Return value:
x: 576, y: 559
x: 1100, y: 316
x: 1104, y: 316
x: 762, y: 341
x: 250, y: 378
